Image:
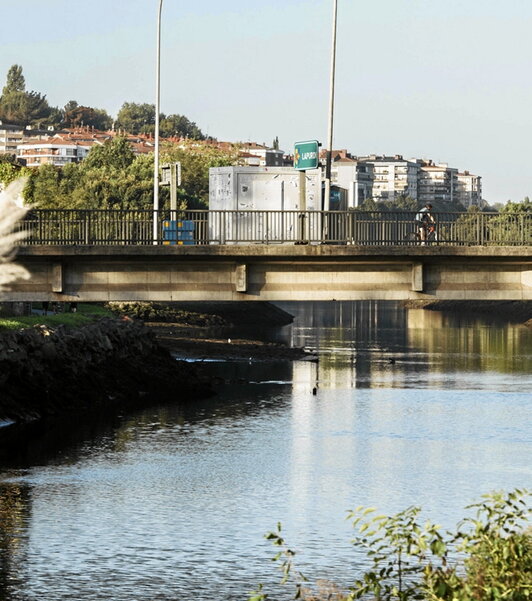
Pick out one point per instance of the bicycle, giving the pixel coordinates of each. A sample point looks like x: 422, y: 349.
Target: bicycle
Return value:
x: 431, y: 234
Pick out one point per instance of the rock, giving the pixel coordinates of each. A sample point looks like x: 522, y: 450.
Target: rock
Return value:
x: 49, y: 372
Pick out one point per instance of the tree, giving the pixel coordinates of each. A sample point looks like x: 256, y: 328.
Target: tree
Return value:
x: 15, y: 81
x: 196, y: 158
x: 275, y: 144
x: 86, y: 115
x: 56, y: 117
x: 115, y: 153
x: 19, y: 106
x: 136, y: 118
x: 70, y: 105
x: 140, y: 119
x: 180, y: 126
x: 11, y: 169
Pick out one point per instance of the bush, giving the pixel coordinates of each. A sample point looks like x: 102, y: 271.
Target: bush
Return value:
x: 487, y: 558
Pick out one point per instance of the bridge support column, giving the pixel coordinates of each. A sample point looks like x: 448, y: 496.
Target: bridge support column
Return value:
x: 57, y: 277
x: 417, y: 277
x: 241, y: 279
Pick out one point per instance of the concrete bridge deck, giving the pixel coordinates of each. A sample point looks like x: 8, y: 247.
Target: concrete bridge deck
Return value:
x: 272, y: 272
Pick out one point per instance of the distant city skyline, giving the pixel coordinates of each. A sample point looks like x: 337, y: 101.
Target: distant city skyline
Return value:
x: 420, y: 78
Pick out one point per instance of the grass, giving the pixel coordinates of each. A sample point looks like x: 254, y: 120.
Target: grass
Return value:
x: 86, y: 313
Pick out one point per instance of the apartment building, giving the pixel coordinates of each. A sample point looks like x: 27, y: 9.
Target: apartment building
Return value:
x: 10, y: 137
x: 72, y: 145
x: 437, y: 182
x: 268, y: 157
x: 355, y: 177
x: 393, y: 176
x: 53, y: 151
x: 469, y: 189
x: 390, y: 177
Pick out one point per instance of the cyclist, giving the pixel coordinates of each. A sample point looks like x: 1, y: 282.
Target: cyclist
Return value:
x: 423, y: 220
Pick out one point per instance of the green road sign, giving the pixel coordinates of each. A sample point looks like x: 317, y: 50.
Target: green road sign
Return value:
x: 306, y: 154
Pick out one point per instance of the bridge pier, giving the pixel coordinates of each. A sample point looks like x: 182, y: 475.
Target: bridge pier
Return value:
x: 417, y: 277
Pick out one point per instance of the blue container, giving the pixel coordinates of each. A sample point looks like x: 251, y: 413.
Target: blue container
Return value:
x: 178, y: 232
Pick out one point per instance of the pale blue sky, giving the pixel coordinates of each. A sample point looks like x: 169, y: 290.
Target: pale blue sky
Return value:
x: 447, y: 80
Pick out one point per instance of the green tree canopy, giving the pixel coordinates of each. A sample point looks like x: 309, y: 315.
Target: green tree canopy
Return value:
x: 136, y: 118
x: 77, y: 116
x: 19, y: 106
x: 15, y: 81
x: 70, y: 105
x: 525, y: 206
x: 179, y: 126
x: 196, y: 158
x: 115, y: 153
x: 11, y: 169
x: 140, y: 119
x: 113, y: 177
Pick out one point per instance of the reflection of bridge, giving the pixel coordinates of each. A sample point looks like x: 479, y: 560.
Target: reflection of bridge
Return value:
x: 100, y: 256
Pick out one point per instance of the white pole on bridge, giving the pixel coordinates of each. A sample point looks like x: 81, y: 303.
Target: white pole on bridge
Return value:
x: 157, y: 112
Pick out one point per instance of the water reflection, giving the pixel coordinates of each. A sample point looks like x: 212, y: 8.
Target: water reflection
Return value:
x: 372, y: 345
x: 172, y: 502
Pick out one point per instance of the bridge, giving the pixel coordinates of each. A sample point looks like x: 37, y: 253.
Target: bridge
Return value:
x: 89, y: 256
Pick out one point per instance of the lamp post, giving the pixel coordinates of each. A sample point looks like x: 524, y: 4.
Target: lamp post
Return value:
x: 157, y: 111
x: 327, y: 199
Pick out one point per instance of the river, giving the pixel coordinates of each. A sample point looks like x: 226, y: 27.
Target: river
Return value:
x: 403, y: 407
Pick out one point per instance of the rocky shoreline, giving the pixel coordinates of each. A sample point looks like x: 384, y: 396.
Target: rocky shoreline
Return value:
x: 110, y: 363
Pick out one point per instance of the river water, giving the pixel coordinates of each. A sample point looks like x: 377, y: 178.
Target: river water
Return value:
x: 403, y: 407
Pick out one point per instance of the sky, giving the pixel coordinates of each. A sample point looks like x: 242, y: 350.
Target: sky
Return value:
x: 446, y: 80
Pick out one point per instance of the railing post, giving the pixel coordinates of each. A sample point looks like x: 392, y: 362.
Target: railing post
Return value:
x: 223, y: 234
x: 86, y: 226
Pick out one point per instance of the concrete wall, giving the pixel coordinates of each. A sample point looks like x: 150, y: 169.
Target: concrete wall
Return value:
x: 272, y: 273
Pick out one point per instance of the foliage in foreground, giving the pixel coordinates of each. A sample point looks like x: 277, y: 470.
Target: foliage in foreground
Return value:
x: 487, y: 558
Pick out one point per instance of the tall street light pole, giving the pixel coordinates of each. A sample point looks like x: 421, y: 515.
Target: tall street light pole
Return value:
x: 327, y: 199
x: 157, y: 112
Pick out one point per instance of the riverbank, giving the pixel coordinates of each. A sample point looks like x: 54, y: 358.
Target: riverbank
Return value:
x: 111, y: 363
x: 508, y: 311
x: 176, y: 338
x: 119, y: 362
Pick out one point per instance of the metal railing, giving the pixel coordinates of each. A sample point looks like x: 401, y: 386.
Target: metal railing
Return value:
x: 375, y: 228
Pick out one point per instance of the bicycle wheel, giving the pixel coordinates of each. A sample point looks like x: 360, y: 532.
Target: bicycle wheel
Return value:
x: 412, y: 238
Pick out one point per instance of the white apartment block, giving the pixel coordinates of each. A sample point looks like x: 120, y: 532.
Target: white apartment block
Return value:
x: 393, y: 176
x: 356, y: 178
x: 469, y: 189
x: 390, y: 177
x: 51, y: 152
x: 10, y: 137
x: 437, y: 182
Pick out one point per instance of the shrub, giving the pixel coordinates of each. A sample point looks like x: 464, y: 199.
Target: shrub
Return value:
x: 487, y: 558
